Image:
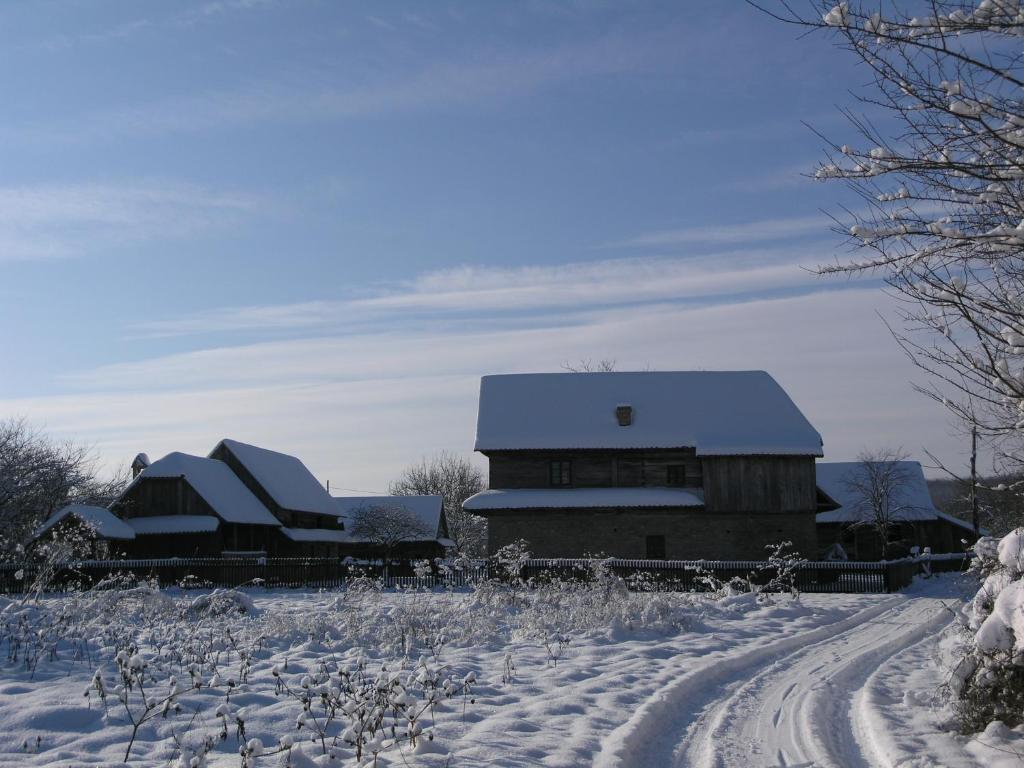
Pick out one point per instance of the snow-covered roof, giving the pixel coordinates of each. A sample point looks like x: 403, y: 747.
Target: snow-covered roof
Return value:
x: 715, y: 412
x: 157, y: 524
x: 583, y: 498
x: 216, y: 483
x: 911, y: 500
x: 316, y: 534
x: 426, y: 508
x: 106, y: 524
x: 284, y: 477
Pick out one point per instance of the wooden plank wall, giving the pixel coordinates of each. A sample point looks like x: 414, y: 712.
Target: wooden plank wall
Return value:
x: 591, y: 469
x: 759, y: 483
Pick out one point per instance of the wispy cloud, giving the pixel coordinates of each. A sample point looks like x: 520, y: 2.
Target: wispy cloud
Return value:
x: 310, y: 96
x: 614, y: 281
x: 60, y: 220
x: 127, y: 29
x: 730, y: 233
x: 785, y: 177
x: 359, y: 406
x: 709, y: 278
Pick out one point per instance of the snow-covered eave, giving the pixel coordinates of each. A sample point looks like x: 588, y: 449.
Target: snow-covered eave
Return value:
x: 484, y: 511
x: 497, y: 500
x: 169, y: 525
x: 316, y: 535
x: 845, y: 517
x: 802, y: 451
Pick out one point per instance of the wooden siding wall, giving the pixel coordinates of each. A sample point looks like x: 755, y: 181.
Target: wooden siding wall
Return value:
x: 205, y: 544
x: 759, y: 484
x: 162, y: 496
x: 591, y: 469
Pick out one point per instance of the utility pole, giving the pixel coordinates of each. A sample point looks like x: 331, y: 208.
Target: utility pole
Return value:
x: 974, y: 481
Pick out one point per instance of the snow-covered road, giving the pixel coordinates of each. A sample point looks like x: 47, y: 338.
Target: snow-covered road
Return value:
x: 802, y: 709
x: 798, y: 701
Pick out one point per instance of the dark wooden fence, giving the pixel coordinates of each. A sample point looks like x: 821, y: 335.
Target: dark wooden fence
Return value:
x: 701, y: 575
x: 326, y: 573
x: 204, y: 573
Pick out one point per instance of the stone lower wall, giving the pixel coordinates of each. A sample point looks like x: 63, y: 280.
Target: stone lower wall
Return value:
x: 688, y: 534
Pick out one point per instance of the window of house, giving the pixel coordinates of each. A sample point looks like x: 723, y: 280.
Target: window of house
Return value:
x: 656, y: 547
x: 675, y: 474
x: 561, y: 473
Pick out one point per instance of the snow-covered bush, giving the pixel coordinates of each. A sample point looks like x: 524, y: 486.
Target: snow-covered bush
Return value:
x: 222, y: 601
x: 782, y: 567
x: 988, y: 676
x: 347, y: 707
x: 140, y: 697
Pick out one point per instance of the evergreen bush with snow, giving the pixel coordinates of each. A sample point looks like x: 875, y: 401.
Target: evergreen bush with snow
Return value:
x: 988, y: 676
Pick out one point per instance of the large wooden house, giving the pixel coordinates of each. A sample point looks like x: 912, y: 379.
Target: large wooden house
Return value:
x: 676, y: 465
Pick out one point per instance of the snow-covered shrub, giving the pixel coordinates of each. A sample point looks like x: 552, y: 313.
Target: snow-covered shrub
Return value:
x: 601, y: 603
x: 510, y: 560
x: 222, y: 601
x: 346, y: 707
x: 781, y: 568
x: 141, y: 698
x: 988, y: 676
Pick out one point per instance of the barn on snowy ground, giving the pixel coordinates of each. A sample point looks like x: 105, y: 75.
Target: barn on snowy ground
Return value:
x: 242, y: 500
x: 896, y: 491
x: 677, y: 465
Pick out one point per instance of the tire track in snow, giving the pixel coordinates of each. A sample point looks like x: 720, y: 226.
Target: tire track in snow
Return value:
x: 786, y: 703
x: 798, y: 711
x: 652, y: 734
x: 893, y: 735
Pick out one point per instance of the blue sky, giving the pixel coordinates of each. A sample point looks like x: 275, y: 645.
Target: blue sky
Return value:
x: 314, y: 225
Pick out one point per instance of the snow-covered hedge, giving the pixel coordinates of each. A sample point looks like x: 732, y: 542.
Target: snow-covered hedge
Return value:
x: 988, y: 676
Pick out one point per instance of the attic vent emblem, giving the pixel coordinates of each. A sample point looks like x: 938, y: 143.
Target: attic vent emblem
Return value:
x: 624, y: 414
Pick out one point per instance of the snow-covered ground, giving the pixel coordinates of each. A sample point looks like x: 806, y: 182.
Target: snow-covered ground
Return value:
x: 829, y: 680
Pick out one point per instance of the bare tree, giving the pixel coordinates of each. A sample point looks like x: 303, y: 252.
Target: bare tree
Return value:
x: 388, y: 526
x: 586, y: 365
x: 454, y: 479
x: 999, y: 511
x: 879, y: 484
x: 38, y: 476
x: 942, y: 185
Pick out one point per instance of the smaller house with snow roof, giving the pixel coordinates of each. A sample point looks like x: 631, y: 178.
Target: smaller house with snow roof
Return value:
x: 109, y: 534
x: 187, y: 506
x: 241, y: 500
x: 677, y: 465
x: 904, y: 501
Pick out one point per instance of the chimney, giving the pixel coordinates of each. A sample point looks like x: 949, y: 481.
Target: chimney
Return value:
x: 139, y: 463
x: 624, y: 414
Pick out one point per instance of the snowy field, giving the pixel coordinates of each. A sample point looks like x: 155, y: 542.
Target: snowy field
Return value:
x: 582, y: 676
